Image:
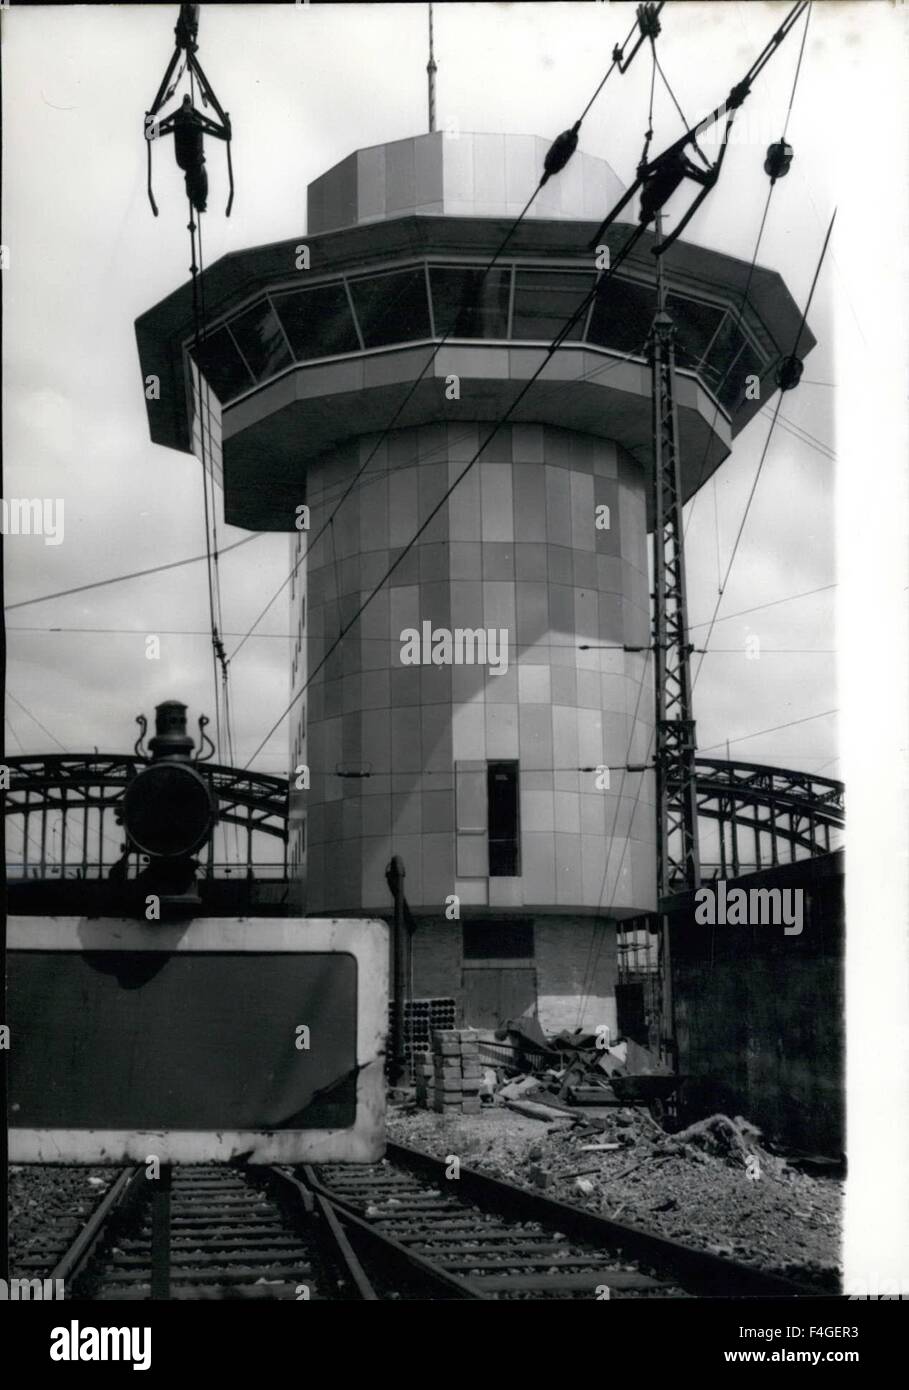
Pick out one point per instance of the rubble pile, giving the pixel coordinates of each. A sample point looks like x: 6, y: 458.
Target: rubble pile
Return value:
x: 574, y: 1069
x: 586, y: 1121
x: 701, y: 1189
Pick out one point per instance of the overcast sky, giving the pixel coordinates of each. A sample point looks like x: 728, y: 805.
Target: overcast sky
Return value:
x: 305, y: 86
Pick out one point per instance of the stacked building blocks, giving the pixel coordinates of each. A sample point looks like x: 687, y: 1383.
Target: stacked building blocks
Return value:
x: 450, y: 1082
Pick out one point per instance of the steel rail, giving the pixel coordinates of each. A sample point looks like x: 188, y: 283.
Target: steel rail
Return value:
x: 410, y: 1261
x: 699, y: 1271
x: 119, y: 1196
x: 227, y: 1239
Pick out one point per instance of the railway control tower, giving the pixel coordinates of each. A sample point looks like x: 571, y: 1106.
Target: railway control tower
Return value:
x: 520, y: 856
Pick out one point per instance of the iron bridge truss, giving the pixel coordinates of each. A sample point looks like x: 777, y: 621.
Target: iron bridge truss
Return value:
x: 766, y: 815
x: 67, y: 805
x: 775, y: 808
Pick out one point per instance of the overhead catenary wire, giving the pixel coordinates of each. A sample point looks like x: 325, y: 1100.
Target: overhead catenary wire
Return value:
x: 708, y: 748
x: 723, y: 379
x: 9, y: 723
x: 593, y: 961
x: 202, y: 404
x: 798, y: 69
x: 751, y: 269
x: 763, y: 456
x: 675, y: 102
x: 743, y: 88
x: 220, y: 666
x: 290, y: 636
x: 53, y: 737
x: 775, y: 728
x: 198, y: 326
x: 616, y: 60
x: 759, y: 607
x: 220, y: 655
x: 131, y: 574
x: 741, y: 91
x: 590, y: 975
x: 310, y: 637
x: 802, y: 435
x: 35, y: 720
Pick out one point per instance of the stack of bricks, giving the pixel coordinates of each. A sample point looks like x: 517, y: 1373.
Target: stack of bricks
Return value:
x: 450, y: 1082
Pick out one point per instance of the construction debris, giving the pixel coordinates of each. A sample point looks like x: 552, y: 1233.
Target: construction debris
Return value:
x: 735, y: 1140
x: 514, y: 1090
x: 713, y: 1184
x: 537, y: 1111
x: 572, y: 1070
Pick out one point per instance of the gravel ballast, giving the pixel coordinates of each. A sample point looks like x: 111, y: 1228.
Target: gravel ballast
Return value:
x: 778, y: 1219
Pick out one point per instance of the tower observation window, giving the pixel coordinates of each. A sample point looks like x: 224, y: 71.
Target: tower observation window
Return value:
x: 221, y: 364
x: 695, y: 324
x: 622, y: 315
x: 392, y: 308
x: 258, y: 336
x: 533, y: 302
x: 544, y: 301
x: 732, y: 357
x: 502, y: 801
x: 318, y: 322
x: 468, y: 304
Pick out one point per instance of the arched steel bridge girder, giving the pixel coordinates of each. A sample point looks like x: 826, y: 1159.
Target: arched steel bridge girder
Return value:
x: 72, y: 781
x: 822, y: 797
x: 798, y: 807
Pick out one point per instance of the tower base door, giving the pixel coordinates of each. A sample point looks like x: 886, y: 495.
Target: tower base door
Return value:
x: 495, y: 994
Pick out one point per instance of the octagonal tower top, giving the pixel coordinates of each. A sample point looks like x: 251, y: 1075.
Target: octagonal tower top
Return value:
x: 458, y: 175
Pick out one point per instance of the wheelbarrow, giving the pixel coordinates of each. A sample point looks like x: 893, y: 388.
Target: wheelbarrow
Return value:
x: 656, y: 1090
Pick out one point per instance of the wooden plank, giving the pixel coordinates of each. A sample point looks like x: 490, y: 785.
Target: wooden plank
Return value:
x: 537, y: 1110
x: 227, y: 1246
x: 222, y: 1276
x: 488, y: 1247
x: 531, y: 1255
x: 529, y: 1262
x: 565, y: 1283
x: 198, y: 1259
x: 432, y: 1230
x: 192, y: 1293
x: 216, y: 1218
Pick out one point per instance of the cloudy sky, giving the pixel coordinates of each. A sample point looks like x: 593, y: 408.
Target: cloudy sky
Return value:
x: 306, y: 85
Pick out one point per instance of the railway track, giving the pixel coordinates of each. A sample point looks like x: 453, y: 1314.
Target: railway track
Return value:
x: 478, y: 1237
x: 234, y: 1233
x: 403, y: 1229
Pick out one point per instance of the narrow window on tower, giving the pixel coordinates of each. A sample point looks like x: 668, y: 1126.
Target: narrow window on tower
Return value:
x: 504, y: 831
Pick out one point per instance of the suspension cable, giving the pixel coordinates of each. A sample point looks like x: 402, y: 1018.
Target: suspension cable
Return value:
x: 763, y: 457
